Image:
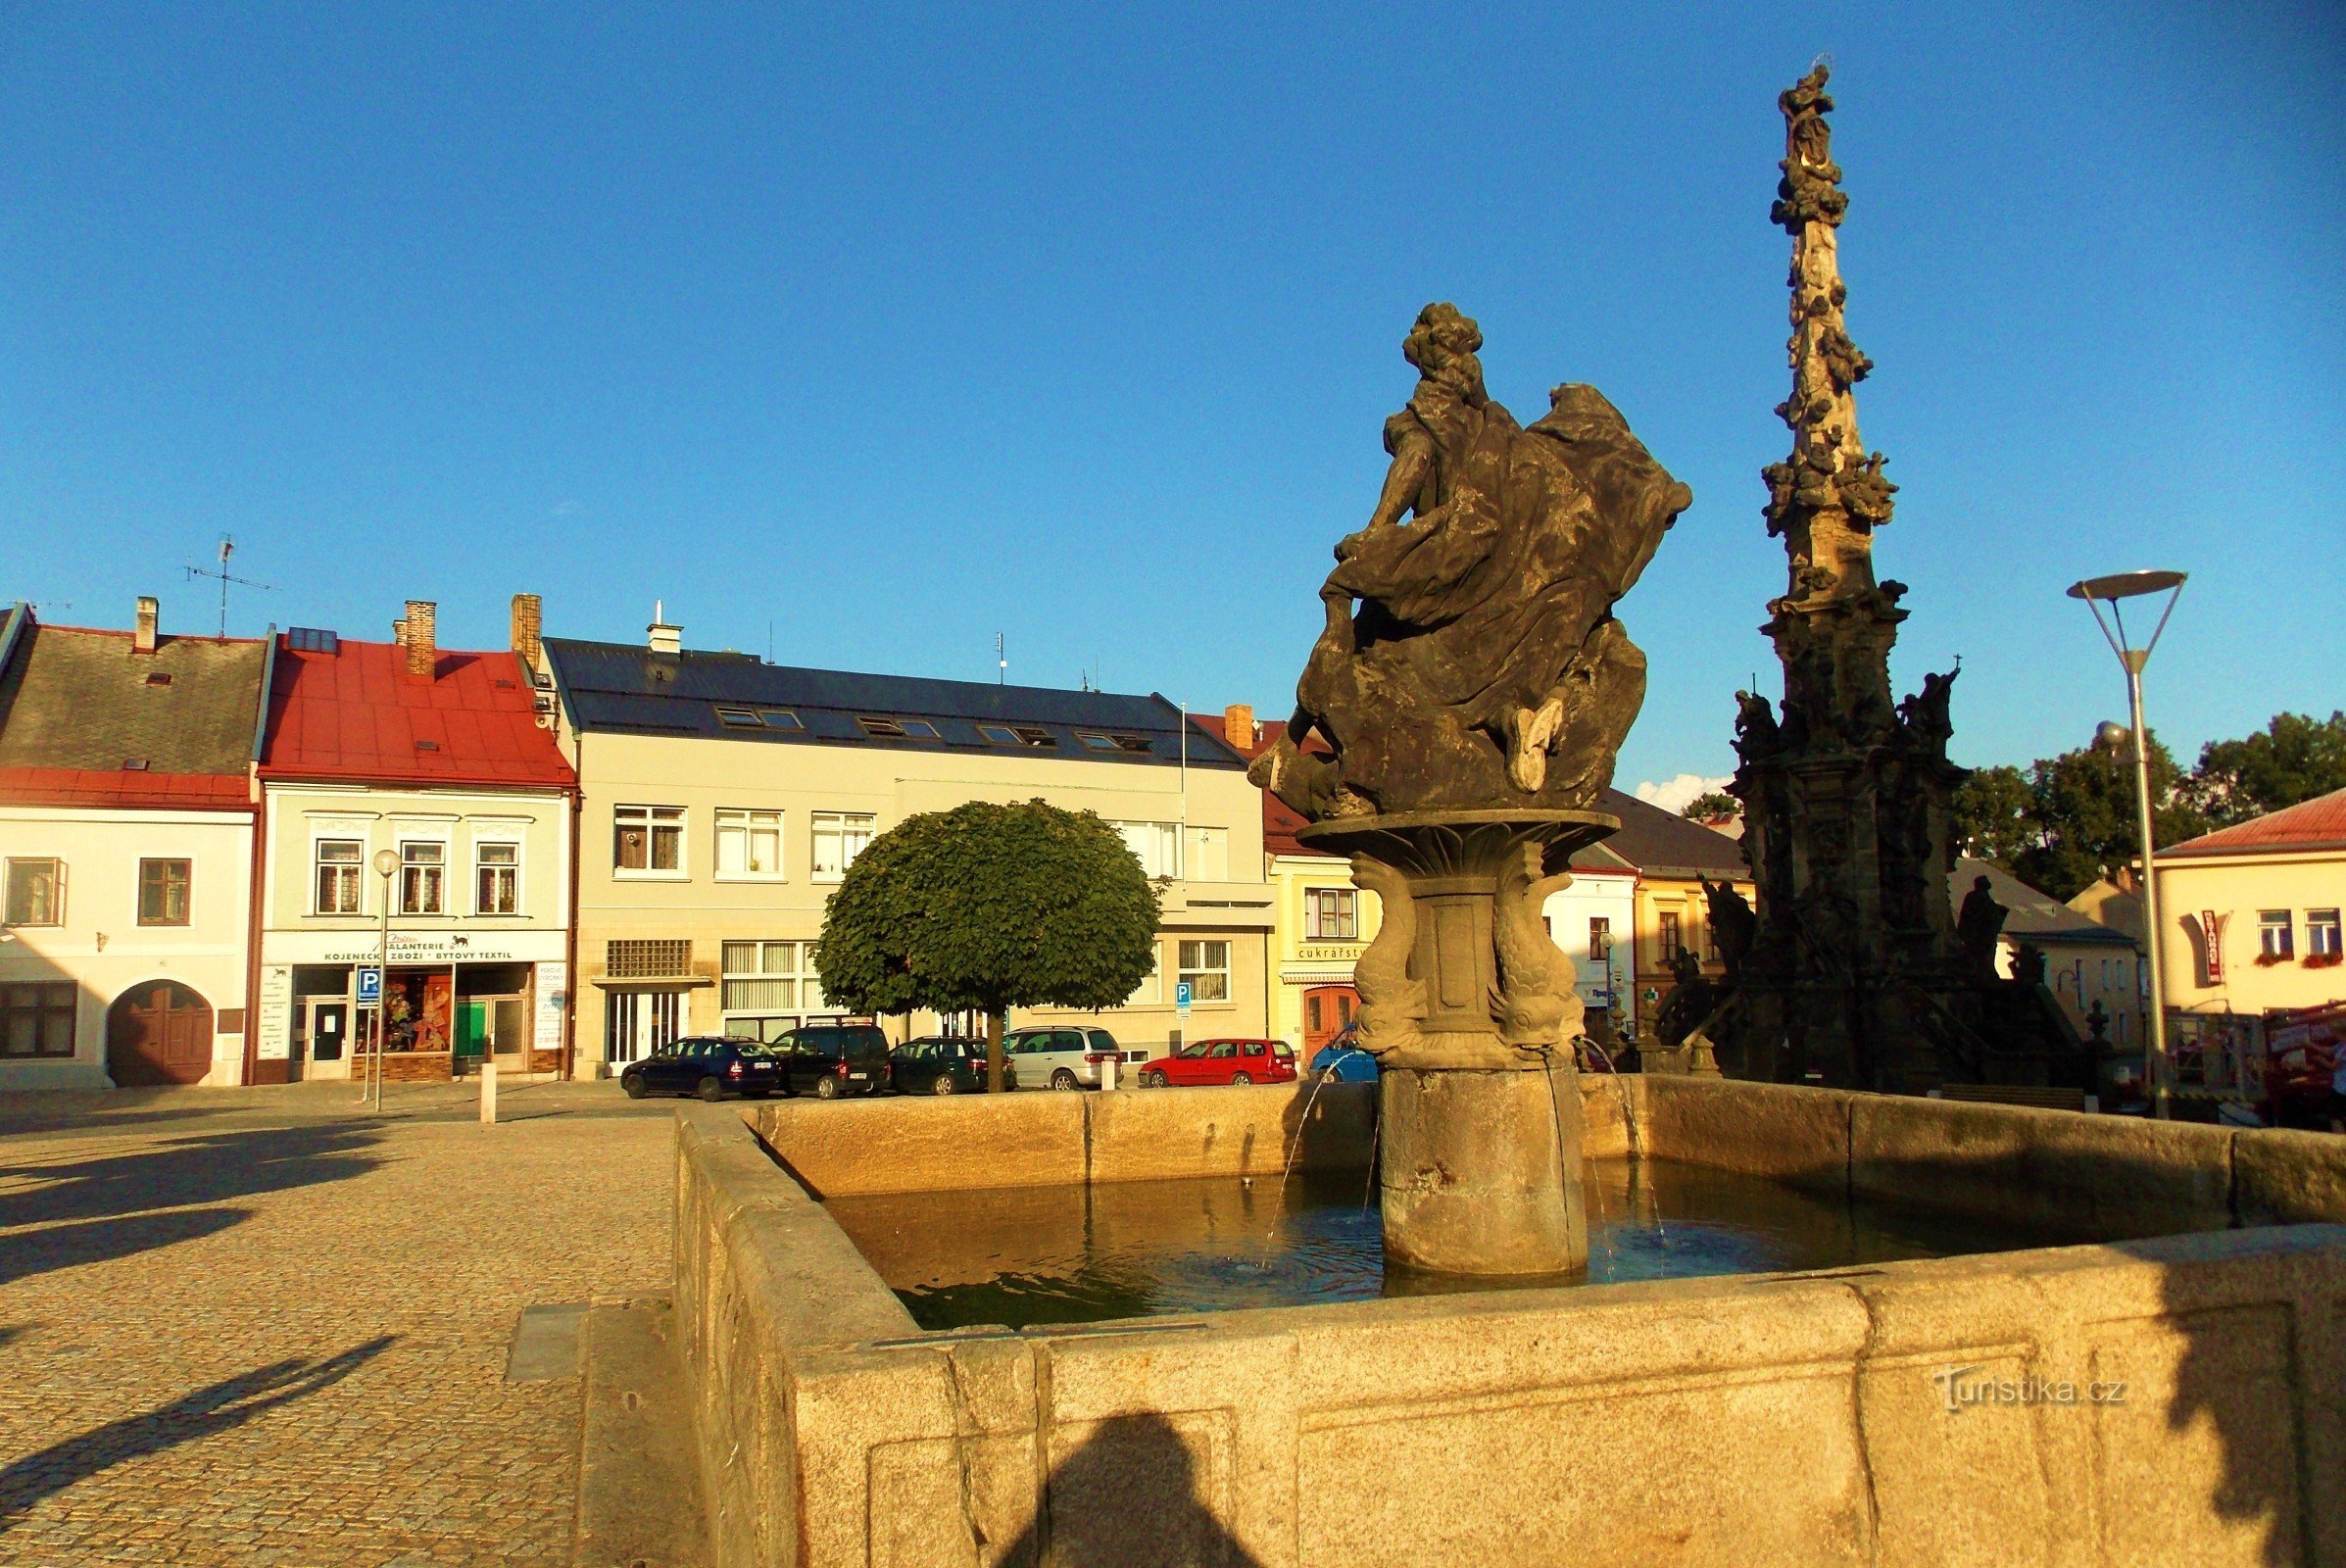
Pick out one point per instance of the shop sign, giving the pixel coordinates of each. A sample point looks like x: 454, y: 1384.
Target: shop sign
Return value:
x: 276, y: 1043
x: 1344, y: 953
x: 554, y: 997
x: 408, y: 949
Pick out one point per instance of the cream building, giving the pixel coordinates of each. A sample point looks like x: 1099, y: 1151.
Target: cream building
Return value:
x: 125, y: 853
x: 724, y: 797
x: 440, y: 766
x: 2251, y: 914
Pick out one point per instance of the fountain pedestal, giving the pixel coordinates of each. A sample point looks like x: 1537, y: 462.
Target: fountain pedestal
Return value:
x: 1469, y: 1007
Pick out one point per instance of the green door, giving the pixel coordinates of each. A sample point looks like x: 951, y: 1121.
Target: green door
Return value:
x: 472, y: 1028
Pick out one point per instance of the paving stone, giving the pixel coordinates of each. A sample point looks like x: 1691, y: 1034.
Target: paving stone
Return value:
x: 260, y: 1326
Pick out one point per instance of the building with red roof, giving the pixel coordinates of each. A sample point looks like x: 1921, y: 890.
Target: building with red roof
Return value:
x: 415, y: 809
x: 2251, y: 914
x: 126, y: 807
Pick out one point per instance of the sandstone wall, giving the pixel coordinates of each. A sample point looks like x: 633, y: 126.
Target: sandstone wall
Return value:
x: 1796, y: 1419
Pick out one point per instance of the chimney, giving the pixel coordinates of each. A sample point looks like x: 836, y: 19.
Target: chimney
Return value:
x: 421, y: 639
x: 142, y: 641
x: 527, y: 611
x: 665, y: 640
x: 1237, y: 724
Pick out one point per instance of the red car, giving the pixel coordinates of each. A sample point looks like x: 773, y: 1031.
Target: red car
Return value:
x: 1223, y: 1061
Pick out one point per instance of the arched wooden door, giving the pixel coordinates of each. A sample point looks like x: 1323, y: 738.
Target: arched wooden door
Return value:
x: 1327, y: 1011
x: 158, y: 1032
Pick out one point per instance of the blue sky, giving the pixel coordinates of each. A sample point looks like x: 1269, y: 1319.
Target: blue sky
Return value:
x: 893, y: 330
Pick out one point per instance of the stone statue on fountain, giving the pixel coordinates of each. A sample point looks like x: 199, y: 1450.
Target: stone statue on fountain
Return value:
x: 1472, y: 685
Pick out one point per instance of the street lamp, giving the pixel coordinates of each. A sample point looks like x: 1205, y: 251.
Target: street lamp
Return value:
x: 386, y: 865
x: 2114, y: 591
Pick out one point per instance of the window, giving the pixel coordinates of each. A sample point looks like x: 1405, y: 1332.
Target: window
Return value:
x: 1331, y: 915
x: 779, y: 719
x: 340, y: 868
x: 1155, y: 845
x: 640, y: 959
x: 2322, y: 934
x: 648, y: 839
x: 422, y: 865
x: 1208, y: 856
x: 839, y: 837
x: 37, y: 1019
x: 740, y: 718
x: 749, y: 845
x: 1600, y: 937
x: 496, y: 878
x: 1666, y: 941
x: 163, y: 892
x: 1151, y: 991
x: 1017, y: 734
x: 897, y: 729
x: 1205, y: 971
x: 1095, y: 741
x: 37, y: 892
x: 764, y: 980
x: 2275, y: 930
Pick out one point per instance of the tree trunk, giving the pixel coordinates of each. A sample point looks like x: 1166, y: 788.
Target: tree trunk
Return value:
x: 995, y: 1067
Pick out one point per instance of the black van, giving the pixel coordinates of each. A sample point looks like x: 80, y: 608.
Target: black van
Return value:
x: 831, y: 1059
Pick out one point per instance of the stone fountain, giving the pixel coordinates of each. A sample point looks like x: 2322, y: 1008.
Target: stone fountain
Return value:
x: 1458, y: 717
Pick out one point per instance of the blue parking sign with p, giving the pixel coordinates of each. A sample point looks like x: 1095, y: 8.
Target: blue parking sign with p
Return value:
x: 371, y: 985
x: 1181, y: 996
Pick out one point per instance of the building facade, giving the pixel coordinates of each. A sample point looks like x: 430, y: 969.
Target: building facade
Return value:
x: 2251, y: 914
x: 125, y: 853
x: 414, y: 810
x: 724, y: 798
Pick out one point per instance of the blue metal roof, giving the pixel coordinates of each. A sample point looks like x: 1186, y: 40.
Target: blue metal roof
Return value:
x: 619, y: 688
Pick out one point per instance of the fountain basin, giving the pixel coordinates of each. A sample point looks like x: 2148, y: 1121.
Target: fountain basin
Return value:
x: 1795, y: 1418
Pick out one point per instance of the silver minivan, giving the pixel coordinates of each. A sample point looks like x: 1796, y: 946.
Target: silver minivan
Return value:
x: 1060, y: 1058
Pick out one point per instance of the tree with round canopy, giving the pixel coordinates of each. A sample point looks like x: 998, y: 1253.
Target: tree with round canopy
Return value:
x: 987, y: 907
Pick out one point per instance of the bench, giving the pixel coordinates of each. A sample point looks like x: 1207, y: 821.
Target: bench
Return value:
x: 2015, y: 1095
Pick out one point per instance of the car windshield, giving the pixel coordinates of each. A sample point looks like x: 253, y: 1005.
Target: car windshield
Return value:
x: 1195, y: 1052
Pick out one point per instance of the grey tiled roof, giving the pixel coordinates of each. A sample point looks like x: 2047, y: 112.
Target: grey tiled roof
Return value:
x: 76, y: 699
x: 2034, y: 917
x: 617, y: 687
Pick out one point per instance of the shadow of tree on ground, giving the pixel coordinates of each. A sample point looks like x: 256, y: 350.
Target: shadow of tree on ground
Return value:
x: 30, y: 1252
x: 217, y: 1408
x: 184, y: 1172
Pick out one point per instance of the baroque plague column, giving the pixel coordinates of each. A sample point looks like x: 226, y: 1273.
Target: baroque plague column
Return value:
x: 1853, y: 973
x: 1473, y: 703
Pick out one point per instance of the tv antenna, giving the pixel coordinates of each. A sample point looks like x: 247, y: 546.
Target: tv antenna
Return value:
x: 227, y: 548
x: 1002, y: 665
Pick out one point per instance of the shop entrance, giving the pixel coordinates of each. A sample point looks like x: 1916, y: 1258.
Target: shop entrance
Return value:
x: 636, y: 1023
x: 1328, y: 1011
x: 326, y: 1032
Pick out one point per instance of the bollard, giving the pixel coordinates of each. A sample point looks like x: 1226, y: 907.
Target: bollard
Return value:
x: 1107, y: 1071
x: 488, y: 1092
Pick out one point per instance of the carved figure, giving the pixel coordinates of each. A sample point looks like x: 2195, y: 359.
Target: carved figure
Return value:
x: 1979, y: 924
x: 1756, y: 733
x: 1732, y: 924
x: 1692, y: 998
x: 1391, y: 1004
x: 1484, y: 646
x: 1924, y: 717
x: 1534, y: 1006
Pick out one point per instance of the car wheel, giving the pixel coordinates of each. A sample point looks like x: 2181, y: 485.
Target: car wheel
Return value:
x: 633, y: 1083
x: 711, y: 1090
x: 1155, y: 1080
x: 1063, y: 1079
x: 826, y: 1088
x: 944, y: 1085
x: 1242, y: 1078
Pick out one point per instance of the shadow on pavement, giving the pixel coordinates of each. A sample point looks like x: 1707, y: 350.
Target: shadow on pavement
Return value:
x: 217, y: 1408
x: 30, y: 1252
x: 181, y: 1172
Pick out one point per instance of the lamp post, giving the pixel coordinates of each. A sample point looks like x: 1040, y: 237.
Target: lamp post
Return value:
x: 2114, y: 591
x: 386, y: 865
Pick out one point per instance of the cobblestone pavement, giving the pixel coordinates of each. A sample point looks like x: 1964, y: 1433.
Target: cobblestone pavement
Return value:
x: 262, y: 1327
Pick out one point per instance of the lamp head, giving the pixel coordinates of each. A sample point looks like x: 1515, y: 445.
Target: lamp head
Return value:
x: 386, y: 861
x: 2111, y: 736
x: 2126, y: 584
